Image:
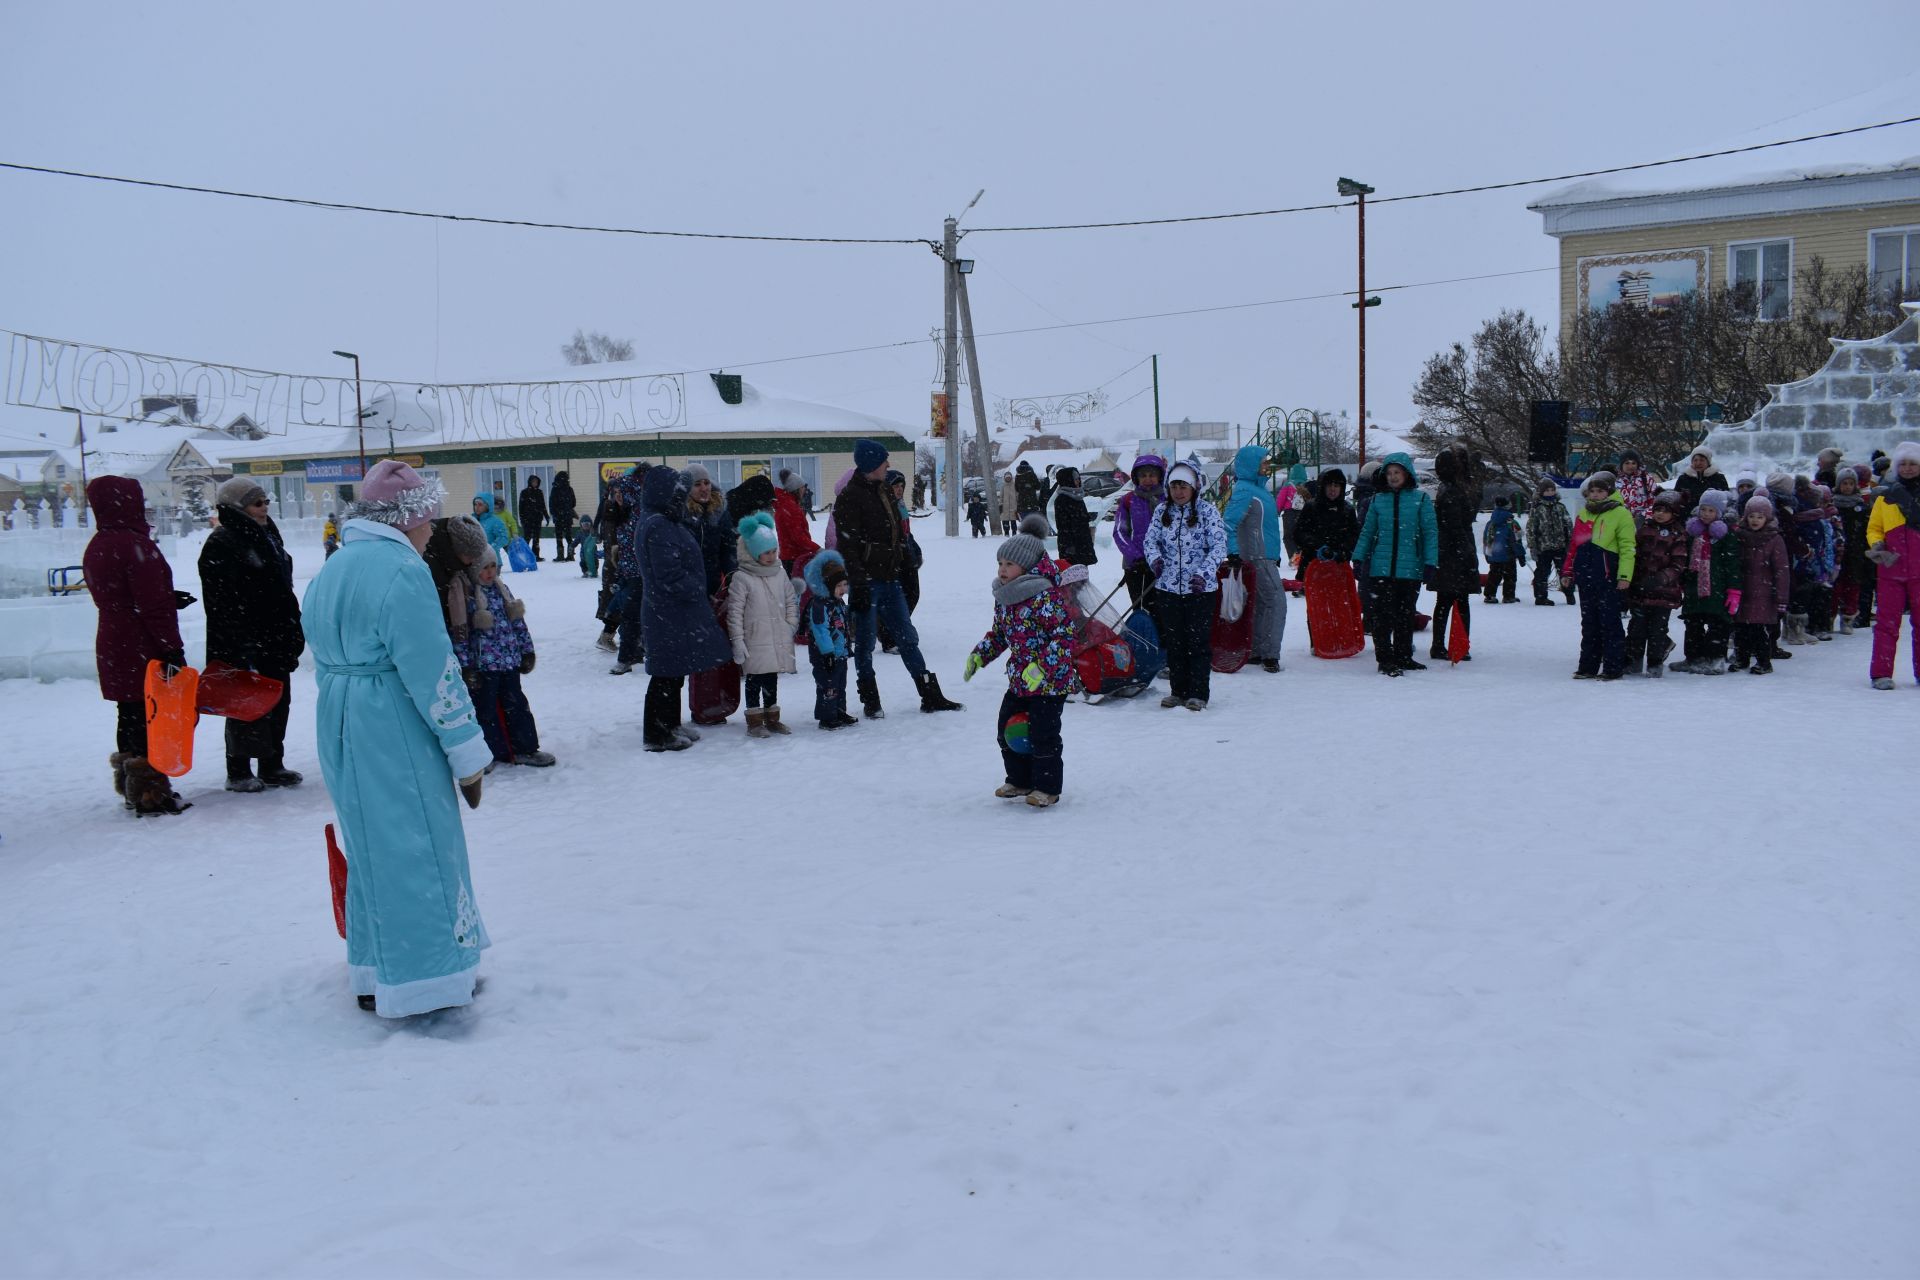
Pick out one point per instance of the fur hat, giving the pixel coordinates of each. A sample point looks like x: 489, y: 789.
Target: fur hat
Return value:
x: 1701, y: 451
x: 757, y: 534
x: 239, y: 492
x: 469, y: 539
x: 1545, y: 486
x: 868, y: 454
x: 1022, y: 549
x: 1601, y: 480
x: 1673, y: 500
x: 1905, y: 451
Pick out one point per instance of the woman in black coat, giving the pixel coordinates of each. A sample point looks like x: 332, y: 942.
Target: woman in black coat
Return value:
x: 1070, y: 520
x: 253, y: 622
x: 1457, y: 577
x: 564, y: 509
x: 1327, y: 528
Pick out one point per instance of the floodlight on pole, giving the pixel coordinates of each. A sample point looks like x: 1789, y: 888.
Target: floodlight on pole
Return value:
x: 359, y: 414
x: 1358, y: 192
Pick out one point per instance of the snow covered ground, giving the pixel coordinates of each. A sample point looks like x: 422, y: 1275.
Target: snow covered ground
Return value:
x: 1479, y: 972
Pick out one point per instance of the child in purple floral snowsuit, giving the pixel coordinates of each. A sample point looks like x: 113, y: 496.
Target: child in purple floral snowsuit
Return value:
x: 495, y: 651
x: 1031, y: 624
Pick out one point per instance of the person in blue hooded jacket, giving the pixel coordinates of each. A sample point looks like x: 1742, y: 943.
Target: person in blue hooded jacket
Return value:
x: 1399, y: 542
x: 683, y: 638
x: 395, y: 730
x: 1253, y: 538
x: 485, y: 512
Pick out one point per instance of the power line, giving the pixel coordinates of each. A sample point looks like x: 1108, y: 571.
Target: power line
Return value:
x: 455, y: 217
x: 922, y: 240
x: 1457, y: 191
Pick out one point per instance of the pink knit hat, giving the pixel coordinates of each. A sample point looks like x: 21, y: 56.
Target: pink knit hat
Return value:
x: 395, y: 494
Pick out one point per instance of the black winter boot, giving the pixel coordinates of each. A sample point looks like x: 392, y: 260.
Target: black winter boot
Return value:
x: 931, y: 699
x: 869, y: 691
x: 276, y: 774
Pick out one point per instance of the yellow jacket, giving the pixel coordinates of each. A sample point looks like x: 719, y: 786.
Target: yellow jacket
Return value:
x: 1883, y: 520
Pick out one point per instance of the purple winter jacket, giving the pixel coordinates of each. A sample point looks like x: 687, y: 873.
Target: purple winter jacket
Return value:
x: 1134, y: 512
x: 1766, y: 581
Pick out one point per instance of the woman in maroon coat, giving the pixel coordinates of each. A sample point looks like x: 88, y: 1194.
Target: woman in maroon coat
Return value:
x: 132, y: 586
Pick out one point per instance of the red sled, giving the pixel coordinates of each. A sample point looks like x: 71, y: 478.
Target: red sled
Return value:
x: 236, y: 694
x: 1334, y: 627
x: 171, y: 718
x: 1457, y: 642
x: 714, y: 695
x: 1233, y: 641
x: 337, y: 881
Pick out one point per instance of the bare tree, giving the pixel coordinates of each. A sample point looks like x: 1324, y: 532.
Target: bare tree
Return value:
x: 1480, y: 393
x: 596, y: 348
x: 1339, y: 441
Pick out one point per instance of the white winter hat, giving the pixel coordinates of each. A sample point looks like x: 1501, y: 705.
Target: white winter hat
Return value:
x: 1906, y: 451
x: 1184, y: 473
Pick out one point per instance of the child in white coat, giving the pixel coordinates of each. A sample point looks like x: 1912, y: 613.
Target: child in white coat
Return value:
x: 761, y: 618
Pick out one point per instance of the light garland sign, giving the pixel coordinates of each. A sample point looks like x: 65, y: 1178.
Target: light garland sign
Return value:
x: 48, y: 373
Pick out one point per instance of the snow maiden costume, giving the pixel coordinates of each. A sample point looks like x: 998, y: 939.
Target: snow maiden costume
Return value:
x: 395, y: 729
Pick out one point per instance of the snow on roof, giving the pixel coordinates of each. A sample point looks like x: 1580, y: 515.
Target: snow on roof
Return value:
x: 26, y: 469
x: 1708, y: 176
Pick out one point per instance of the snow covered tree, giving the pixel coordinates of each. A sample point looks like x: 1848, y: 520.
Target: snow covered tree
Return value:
x: 595, y: 348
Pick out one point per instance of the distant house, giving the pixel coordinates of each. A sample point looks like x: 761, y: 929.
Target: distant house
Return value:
x: 1647, y: 244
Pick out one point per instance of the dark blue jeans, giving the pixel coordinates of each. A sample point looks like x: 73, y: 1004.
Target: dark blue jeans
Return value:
x: 888, y: 600
x: 829, y: 688
x: 505, y: 718
x: 1039, y: 767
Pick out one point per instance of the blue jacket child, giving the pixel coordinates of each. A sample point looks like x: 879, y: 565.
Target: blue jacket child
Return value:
x: 487, y: 513
x: 825, y: 627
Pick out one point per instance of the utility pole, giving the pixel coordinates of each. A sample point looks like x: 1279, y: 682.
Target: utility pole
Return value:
x: 950, y: 244
x: 979, y: 397
x: 1156, y: 396
x: 359, y: 414
x: 81, y: 423
x: 1360, y: 191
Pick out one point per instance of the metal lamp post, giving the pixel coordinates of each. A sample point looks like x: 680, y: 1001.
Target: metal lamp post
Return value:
x: 81, y: 423
x: 359, y: 414
x: 1360, y: 191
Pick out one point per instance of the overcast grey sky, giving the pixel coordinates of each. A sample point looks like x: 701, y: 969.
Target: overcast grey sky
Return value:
x: 856, y: 119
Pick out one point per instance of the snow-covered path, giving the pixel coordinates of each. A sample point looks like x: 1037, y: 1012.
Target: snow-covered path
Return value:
x: 1479, y: 972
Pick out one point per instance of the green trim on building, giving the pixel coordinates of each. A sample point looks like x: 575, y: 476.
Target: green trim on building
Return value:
x: 604, y: 447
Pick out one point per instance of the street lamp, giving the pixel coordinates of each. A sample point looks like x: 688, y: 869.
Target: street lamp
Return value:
x: 1359, y: 191
x: 81, y: 422
x: 359, y: 414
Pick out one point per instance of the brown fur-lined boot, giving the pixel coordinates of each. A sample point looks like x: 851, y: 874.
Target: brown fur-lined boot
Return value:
x: 118, y: 762
x: 148, y: 790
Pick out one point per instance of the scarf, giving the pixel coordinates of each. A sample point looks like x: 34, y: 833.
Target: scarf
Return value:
x: 1601, y: 508
x: 1020, y: 590
x: 1701, y: 559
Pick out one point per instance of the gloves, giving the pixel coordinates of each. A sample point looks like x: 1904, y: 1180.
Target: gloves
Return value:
x: 1881, y: 554
x: 1198, y: 585
x: 1624, y: 585
x: 526, y: 665
x: 181, y: 599
x: 859, y: 598
x: 1733, y: 600
x: 1566, y: 583
x: 1233, y: 563
x: 470, y: 789
x: 972, y: 667
x: 1033, y: 677
x: 171, y: 662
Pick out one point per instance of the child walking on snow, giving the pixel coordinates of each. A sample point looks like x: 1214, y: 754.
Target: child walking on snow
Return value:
x: 1032, y: 626
x: 495, y: 650
x: 1505, y: 553
x: 827, y: 638
x: 761, y: 618
x: 583, y: 537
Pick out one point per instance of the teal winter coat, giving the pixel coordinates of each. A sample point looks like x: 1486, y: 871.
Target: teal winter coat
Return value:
x: 497, y: 534
x: 396, y: 729
x: 1250, y: 490
x: 1400, y: 537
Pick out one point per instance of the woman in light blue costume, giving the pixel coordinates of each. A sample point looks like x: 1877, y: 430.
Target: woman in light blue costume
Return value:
x: 395, y: 730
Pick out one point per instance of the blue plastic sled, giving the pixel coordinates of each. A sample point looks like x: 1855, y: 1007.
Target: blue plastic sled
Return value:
x: 520, y: 556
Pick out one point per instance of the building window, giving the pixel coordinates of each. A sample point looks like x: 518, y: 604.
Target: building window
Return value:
x: 1760, y: 275
x: 1893, y: 262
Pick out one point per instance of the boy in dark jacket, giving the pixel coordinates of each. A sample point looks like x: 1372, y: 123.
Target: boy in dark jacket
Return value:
x: 977, y: 516
x: 1549, y: 534
x: 1505, y: 550
x: 1328, y: 527
x: 1659, y: 563
x: 1032, y: 625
